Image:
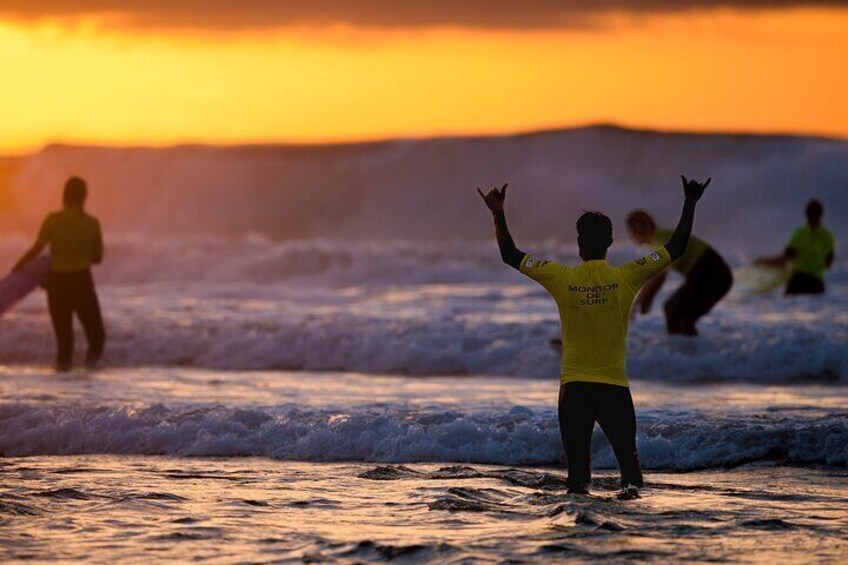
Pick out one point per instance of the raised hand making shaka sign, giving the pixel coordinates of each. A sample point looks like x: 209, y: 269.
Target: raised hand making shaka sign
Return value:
x: 692, y: 189
x: 494, y: 199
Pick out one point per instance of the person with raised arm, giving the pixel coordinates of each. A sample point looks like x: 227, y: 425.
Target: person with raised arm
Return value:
x: 594, y: 300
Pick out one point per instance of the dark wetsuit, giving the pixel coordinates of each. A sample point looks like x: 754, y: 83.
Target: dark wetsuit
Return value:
x: 73, y: 293
x: 708, y: 280
x: 707, y: 283
x: 802, y: 283
x: 74, y: 238
x: 581, y: 404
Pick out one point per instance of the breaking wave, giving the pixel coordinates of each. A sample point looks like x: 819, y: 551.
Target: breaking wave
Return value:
x: 668, y: 440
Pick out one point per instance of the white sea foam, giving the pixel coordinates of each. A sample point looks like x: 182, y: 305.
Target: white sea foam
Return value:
x: 403, y: 308
x: 378, y: 257
x: 678, y: 440
x: 331, y: 416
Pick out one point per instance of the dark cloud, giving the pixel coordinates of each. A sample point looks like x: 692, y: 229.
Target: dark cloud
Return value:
x: 234, y: 14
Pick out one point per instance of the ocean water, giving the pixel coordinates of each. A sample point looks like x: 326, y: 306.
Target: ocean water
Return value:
x: 409, y: 309
x: 346, y: 372
x: 396, y: 402
x: 170, y: 464
x: 133, y: 509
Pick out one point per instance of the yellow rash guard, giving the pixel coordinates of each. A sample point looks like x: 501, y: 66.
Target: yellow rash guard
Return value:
x: 594, y: 301
x: 73, y: 237
x: 694, y: 250
x: 811, y: 246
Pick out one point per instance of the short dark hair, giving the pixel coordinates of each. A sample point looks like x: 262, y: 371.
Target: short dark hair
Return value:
x: 594, y: 234
x: 75, y: 192
x: 814, y: 210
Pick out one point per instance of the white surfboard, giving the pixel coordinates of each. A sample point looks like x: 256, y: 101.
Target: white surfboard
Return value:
x: 15, y: 286
x: 759, y: 279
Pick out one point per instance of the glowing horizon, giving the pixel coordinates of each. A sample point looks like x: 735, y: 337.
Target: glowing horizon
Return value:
x: 761, y: 71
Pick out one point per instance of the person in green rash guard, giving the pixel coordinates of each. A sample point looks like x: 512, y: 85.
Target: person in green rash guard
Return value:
x: 810, y: 251
x: 708, y: 278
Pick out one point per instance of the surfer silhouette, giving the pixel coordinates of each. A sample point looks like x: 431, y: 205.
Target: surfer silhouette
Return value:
x: 810, y: 252
x: 76, y: 242
x: 707, y: 277
x: 594, y: 300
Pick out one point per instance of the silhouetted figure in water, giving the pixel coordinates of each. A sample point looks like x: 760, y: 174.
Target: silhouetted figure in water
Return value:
x: 594, y: 300
x: 810, y: 251
x: 707, y: 277
x: 76, y: 243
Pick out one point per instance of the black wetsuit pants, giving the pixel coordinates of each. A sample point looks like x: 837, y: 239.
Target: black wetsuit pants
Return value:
x: 707, y: 283
x: 73, y: 293
x: 802, y: 283
x: 581, y: 404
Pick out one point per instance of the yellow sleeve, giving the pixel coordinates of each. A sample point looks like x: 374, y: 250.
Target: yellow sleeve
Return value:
x: 546, y: 273
x: 635, y: 273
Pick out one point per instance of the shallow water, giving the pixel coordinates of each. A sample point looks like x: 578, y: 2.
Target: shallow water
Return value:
x: 143, y: 509
x: 355, y: 417
x: 322, y: 401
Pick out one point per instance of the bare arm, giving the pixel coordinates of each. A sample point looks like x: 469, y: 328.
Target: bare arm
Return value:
x: 778, y: 260
x: 692, y: 190
x: 649, y: 291
x: 494, y: 200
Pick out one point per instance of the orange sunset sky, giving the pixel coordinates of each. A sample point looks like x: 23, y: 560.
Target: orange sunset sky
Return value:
x: 149, y: 73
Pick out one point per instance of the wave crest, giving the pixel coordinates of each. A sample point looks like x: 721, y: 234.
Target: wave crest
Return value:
x: 395, y: 434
